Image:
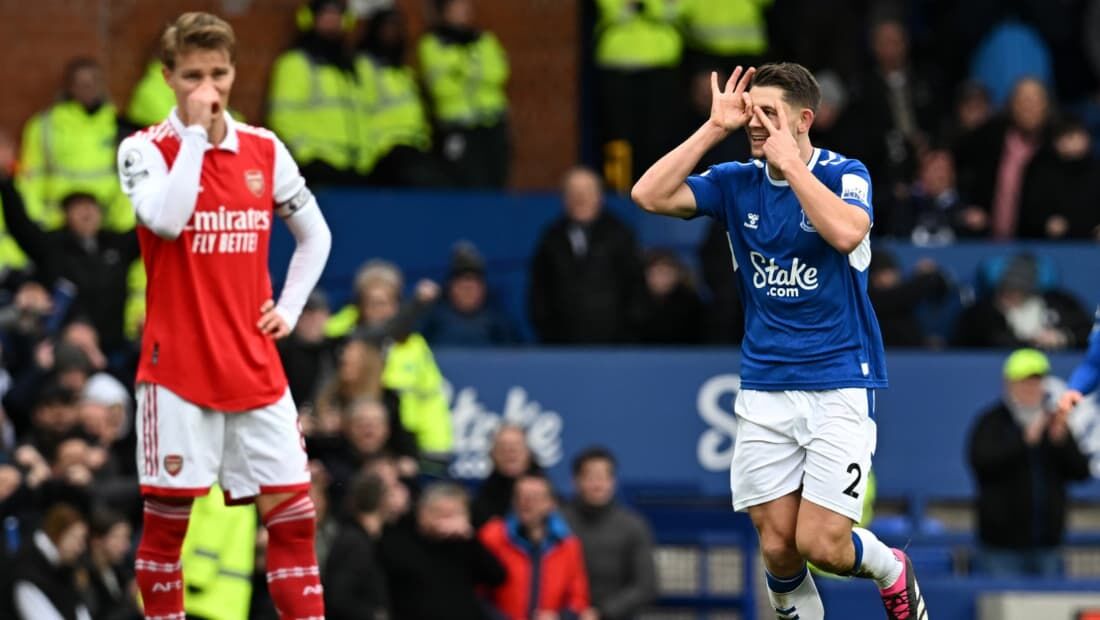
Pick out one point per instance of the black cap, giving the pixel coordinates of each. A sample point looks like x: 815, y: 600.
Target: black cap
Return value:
x: 466, y: 260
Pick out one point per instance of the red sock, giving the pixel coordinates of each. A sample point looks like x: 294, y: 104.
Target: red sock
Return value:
x: 157, y: 567
x: 292, y: 575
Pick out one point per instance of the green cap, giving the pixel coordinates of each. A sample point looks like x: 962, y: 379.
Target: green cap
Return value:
x: 1024, y: 363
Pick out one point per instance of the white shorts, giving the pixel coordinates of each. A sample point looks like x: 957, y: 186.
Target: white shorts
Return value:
x: 183, y: 449
x: 819, y: 441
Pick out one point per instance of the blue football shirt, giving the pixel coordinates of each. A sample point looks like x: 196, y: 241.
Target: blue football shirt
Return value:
x: 809, y: 324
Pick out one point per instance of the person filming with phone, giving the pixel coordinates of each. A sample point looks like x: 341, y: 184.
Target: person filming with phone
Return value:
x: 1023, y: 456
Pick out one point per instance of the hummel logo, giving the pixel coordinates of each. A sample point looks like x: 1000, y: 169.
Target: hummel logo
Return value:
x: 753, y: 221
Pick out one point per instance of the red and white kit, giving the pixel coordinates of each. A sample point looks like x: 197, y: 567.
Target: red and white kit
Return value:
x: 205, y: 215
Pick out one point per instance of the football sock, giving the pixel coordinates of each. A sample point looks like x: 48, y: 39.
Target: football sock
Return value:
x: 292, y: 575
x: 874, y: 559
x: 794, y: 597
x: 157, y: 567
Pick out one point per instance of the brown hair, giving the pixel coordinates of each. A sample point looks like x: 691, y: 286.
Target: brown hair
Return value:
x: 59, y: 518
x: 798, y: 84
x: 339, y: 394
x: 196, y: 30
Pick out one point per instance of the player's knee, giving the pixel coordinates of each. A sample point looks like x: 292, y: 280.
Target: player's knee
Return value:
x: 780, y: 553
x: 826, y: 549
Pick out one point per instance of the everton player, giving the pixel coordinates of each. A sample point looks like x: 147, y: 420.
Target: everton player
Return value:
x: 213, y: 403
x: 798, y: 219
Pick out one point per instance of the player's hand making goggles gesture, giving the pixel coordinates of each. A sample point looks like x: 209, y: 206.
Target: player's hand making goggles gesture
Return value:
x: 731, y: 109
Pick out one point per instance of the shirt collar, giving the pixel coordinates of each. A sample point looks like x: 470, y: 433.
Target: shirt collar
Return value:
x: 231, y: 142
x: 783, y: 182
x: 46, y: 546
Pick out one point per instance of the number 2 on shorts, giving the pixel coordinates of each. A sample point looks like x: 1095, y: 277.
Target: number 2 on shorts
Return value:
x: 851, y: 490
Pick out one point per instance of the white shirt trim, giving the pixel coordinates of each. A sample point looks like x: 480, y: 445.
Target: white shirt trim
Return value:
x: 784, y: 183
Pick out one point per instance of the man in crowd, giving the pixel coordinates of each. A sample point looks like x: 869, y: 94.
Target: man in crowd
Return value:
x: 1023, y: 456
x: 587, y: 283
x: 617, y: 543
x: 542, y: 559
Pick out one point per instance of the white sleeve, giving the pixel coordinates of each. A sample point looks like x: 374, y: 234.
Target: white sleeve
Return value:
x: 290, y: 191
x: 163, y: 199
x: 30, y: 602
x: 313, y: 241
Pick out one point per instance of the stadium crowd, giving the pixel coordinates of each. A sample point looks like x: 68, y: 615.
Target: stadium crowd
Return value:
x: 978, y: 150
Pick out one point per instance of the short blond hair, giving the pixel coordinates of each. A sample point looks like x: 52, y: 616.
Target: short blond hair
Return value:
x: 197, y: 30
x: 378, y: 272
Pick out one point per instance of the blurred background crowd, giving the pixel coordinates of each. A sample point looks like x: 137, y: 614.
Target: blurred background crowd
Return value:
x: 978, y: 120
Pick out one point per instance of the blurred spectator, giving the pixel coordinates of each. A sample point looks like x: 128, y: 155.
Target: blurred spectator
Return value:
x: 112, y: 592
x: 434, y: 563
x: 819, y: 35
x: 44, y: 583
x: 837, y: 125
x: 587, y: 285
x: 218, y: 558
x: 355, y: 586
x: 25, y: 322
x: 70, y: 148
x: 617, y: 542
x: 542, y: 559
x: 1023, y: 456
x: 12, y: 260
x: 53, y: 419
x: 512, y: 458
x: 972, y: 110
x: 993, y: 161
x: 466, y: 71
x: 466, y: 318
x: 398, y: 153
x: 725, y: 323
x: 410, y: 367
x: 91, y: 262
x: 899, y: 105
x: 674, y: 311
x: 724, y: 34
x: 313, y: 103
x: 152, y: 98
x: 935, y: 214
x: 349, y: 404
x: 895, y: 298
x: 261, y: 607
x: 307, y: 355
x: 638, y: 48
x: 368, y: 429
x: 1019, y: 314
x: 1061, y: 192
x: 328, y: 521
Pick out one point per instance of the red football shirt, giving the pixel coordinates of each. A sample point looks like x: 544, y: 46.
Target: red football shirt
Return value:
x: 206, y: 287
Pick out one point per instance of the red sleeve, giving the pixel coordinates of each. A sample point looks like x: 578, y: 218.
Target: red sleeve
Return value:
x: 578, y: 597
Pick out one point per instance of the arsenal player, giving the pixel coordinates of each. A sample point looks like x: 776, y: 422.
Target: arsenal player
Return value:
x: 213, y: 403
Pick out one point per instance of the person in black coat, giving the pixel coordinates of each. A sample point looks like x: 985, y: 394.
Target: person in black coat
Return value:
x: 984, y: 170
x: 434, y: 563
x: 43, y: 583
x: 511, y: 458
x: 675, y: 312
x: 586, y: 279
x: 1018, y: 314
x: 895, y: 298
x: 355, y: 586
x: 110, y: 576
x: 97, y: 262
x: 307, y: 355
x: 1061, y: 194
x: 1023, y: 456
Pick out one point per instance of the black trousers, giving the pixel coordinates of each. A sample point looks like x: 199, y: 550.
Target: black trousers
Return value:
x: 475, y: 157
x: 644, y: 108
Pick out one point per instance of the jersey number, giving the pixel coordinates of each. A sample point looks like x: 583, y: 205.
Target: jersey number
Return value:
x: 851, y: 490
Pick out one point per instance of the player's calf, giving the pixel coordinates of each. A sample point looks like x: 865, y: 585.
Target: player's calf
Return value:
x: 293, y: 577
x: 157, y: 566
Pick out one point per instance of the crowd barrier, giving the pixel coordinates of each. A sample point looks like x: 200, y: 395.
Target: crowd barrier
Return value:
x: 668, y: 414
